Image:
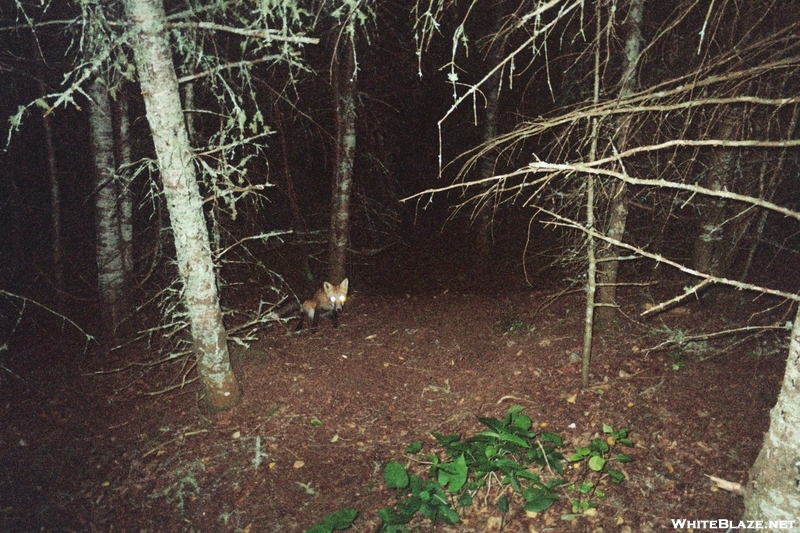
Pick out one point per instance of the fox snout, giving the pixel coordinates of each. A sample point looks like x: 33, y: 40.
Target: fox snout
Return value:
x: 337, y: 301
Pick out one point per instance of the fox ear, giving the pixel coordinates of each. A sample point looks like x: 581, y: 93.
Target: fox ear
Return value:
x: 327, y: 286
x: 343, y: 284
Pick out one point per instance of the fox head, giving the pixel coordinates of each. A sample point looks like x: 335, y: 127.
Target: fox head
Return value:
x: 336, y: 294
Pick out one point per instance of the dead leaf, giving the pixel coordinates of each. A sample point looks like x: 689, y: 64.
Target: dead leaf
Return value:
x: 730, y: 486
x: 572, y: 399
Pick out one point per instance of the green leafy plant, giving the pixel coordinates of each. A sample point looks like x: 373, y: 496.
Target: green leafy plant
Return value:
x: 508, y: 451
x: 598, y: 458
x: 678, y: 359
x: 341, y: 519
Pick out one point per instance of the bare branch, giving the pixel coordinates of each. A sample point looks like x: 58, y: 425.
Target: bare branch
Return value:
x: 269, y: 35
x: 661, y: 259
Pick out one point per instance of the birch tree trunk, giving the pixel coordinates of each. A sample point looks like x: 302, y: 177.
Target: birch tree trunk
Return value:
x: 108, y: 239
x: 345, y: 94
x: 159, y: 86
x: 773, y: 490
x: 607, y: 262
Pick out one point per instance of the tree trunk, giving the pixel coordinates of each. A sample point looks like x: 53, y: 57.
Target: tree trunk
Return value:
x: 108, y: 244
x: 159, y: 86
x: 773, y: 490
x: 768, y: 191
x: 55, y: 204
x: 55, y: 193
x: 345, y: 94
x: 485, y: 215
x: 591, y: 242
x: 608, y: 265
x: 122, y: 156
x: 710, y: 246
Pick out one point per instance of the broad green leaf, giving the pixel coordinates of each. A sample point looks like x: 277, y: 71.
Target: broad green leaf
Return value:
x: 395, y: 475
x: 552, y: 437
x: 453, y: 474
x: 341, y: 519
x: 597, y: 463
x: 450, y: 516
x: 465, y: 500
x: 599, y: 445
x: 414, y: 447
x: 490, y: 451
x: 502, y: 504
x: 523, y: 422
x: 539, y: 501
x: 390, y: 517
x: 516, y: 408
x: 615, y: 475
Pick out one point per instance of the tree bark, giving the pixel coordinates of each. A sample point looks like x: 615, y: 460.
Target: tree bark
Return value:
x: 485, y: 215
x: 55, y: 204
x: 159, y: 87
x: 591, y: 242
x: 108, y: 239
x: 773, y: 490
x: 608, y: 265
x: 122, y: 156
x: 768, y: 191
x: 345, y: 93
x: 710, y: 246
x: 55, y: 193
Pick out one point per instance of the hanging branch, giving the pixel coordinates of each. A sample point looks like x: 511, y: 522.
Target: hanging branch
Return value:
x: 661, y: 259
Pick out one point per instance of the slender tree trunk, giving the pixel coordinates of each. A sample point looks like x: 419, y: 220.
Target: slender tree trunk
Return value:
x: 55, y: 193
x: 485, y: 215
x: 345, y: 93
x: 773, y: 490
x: 768, y: 193
x: 159, y: 86
x: 591, y: 242
x: 286, y: 184
x: 618, y: 208
x: 55, y: 202
x: 710, y: 246
x: 122, y: 155
x: 109, y: 244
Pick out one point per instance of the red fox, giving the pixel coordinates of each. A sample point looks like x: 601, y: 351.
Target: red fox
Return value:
x: 327, y: 302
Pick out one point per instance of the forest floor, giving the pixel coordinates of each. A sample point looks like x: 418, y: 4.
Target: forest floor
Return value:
x: 320, y: 416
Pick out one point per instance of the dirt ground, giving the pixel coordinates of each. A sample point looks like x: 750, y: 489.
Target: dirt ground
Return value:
x: 321, y: 414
